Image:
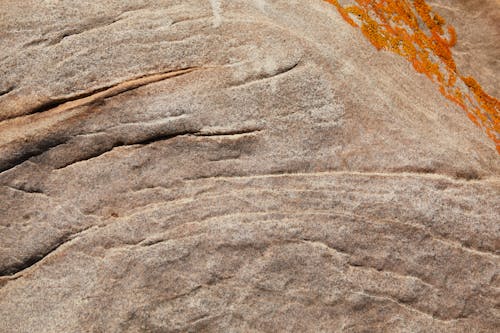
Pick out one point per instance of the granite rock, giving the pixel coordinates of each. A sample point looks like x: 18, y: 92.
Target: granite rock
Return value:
x: 240, y: 166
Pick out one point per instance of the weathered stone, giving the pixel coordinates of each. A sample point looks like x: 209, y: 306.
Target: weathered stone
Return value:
x: 239, y: 166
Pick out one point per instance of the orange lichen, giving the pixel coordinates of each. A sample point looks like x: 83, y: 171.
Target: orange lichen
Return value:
x: 412, y: 30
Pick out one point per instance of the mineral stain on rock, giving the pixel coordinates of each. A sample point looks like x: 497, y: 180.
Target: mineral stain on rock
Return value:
x: 413, y: 30
x: 249, y: 166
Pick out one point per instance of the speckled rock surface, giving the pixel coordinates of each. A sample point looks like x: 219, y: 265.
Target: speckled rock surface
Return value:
x: 477, y: 52
x: 239, y: 166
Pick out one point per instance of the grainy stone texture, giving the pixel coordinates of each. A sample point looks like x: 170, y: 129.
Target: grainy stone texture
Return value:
x: 478, y: 29
x: 239, y: 166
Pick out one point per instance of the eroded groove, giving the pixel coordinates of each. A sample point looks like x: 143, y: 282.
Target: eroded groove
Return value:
x: 287, y: 69
x: 382, y: 297
x: 36, y: 42
x: 24, y: 190
x: 76, y: 31
x: 325, y: 246
x: 157, y: 138
x: 265, y: 76
x: 54, y: 103
x: 25, y: 154
x: 453, y: 243
x: 150, y: 140
x: 97, y: 25
x: 228, y: 132
x: 33, y: 260
x: 385, y: 298
x: 467, y: 175
x: 6, y: 91
x: 86, y: 98
x: 79, y: 100
x: 188, y: 20
x: 356, y: 266
x: 388, y: 173
x: 342, y: 252
x: 16, y: 271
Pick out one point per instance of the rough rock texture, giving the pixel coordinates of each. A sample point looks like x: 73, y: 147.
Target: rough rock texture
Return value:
x: 239, y: 166
x: 477, y: 52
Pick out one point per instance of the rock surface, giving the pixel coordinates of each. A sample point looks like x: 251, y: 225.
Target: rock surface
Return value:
x: 240, y: 166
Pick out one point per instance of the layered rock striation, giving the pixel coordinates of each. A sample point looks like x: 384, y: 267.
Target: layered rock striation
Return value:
x: 241, y: 166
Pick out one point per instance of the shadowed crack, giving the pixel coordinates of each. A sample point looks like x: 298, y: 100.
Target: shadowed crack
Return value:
x: 147, y: 141
x: 56, y: 106
x: 32, y: 260
x: 54, y: 103
x: 77, y: 100
x: 6, y: 91
x: 16, y: 270
x: 228, y: 132
x: 157, y: 138
x: 22, y: 155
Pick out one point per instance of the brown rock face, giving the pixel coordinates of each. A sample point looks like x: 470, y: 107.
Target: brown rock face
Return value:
x: 477, y: 52
x: 240, y: 166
